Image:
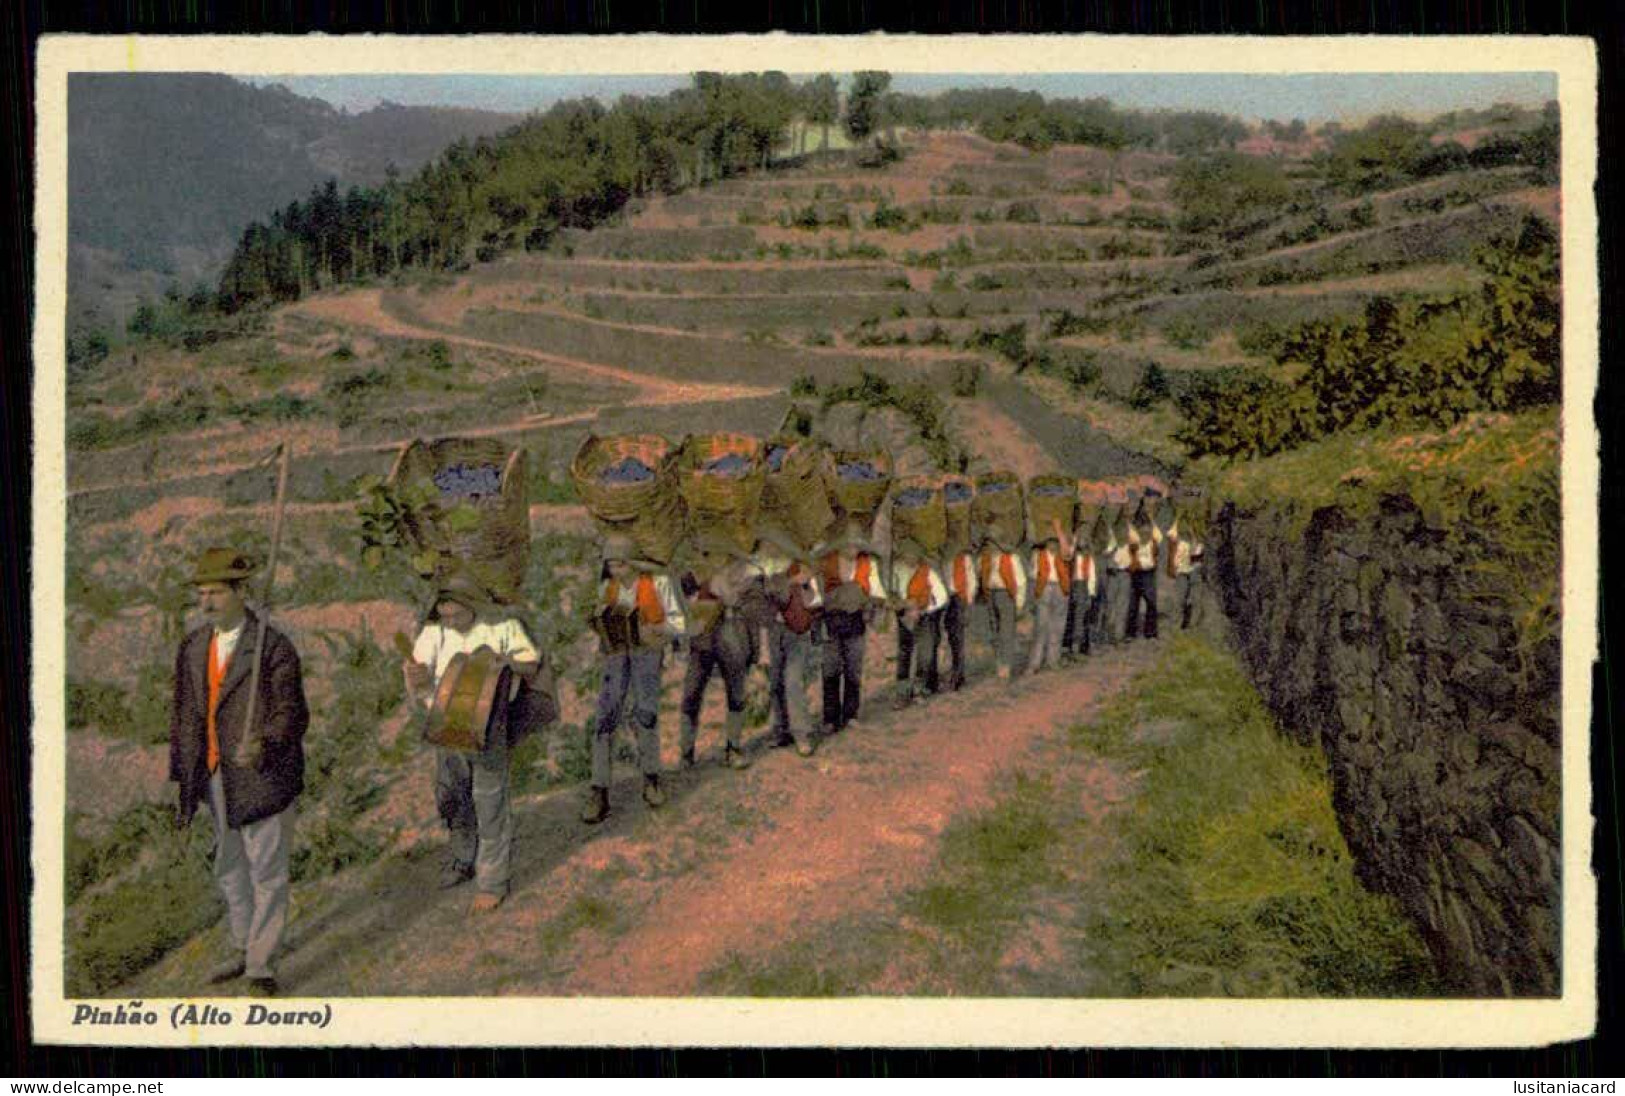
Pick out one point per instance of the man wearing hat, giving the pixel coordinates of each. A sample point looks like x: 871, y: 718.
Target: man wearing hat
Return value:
x: 1185, y: 562
x: 922, y: 597
x: 722, y: 640
x: 248, y: 775
x: 797, y: 599
x: 1052, y: 591
x: 1003, y: 579
x: 471, y: 789
x: 961, y: 577
x: 1144, y: 549
x: 853, y: 586
x: 637, y: 612
x: 1084, y: 604
x: 1114, y: 599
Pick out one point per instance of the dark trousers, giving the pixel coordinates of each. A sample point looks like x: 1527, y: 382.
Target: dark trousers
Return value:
x: 842, y: 659
x: 1080, y: 622
x: 917, y: 650
x: 1142, y: 590
x: 954, y: 619
x: 729, y: 650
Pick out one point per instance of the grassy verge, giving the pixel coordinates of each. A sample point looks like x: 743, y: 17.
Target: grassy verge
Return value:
x: 1230, y: 877
x: 1223, y: 874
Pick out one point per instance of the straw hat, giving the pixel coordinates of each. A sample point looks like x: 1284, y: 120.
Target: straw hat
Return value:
x: 222, y: 565
x: 464, y: 589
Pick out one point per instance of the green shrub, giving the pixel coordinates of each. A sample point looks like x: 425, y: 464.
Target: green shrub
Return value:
x: 120, y: 930
x: 1260, y: 339
x: 1024, y: 213
x: 1151, y: 389
x: 1186, y: 333
x: 1066, y: 322
x: 967, y: 378
x: 1009, y: 341
x: 1421, y: 364
x: 891, y: 217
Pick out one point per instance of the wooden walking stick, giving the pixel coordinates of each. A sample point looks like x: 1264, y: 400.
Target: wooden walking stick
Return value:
x: 248, y: 749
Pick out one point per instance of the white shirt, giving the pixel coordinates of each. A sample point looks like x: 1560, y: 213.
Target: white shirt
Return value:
x: 1184, y: 553
x: 627, y: 597
x: 847, y: 567
x: 903, y: 573
x: 995, y: 577
x: 1084, y: 571
x: 225, y: 643
x: 1054, y: 562
x: 438, y: 644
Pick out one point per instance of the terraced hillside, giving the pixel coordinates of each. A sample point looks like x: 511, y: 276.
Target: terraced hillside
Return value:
x: 1046, y: 304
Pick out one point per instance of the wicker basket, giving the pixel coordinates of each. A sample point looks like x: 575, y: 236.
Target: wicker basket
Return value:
x: 722, y: 505
x: 650, y: 512
x: 918, y: 514
x: 795, y: 488
x: 860, y: 499
x: 997, y: 511
x: 1051, y: 502
x: 486, y: 476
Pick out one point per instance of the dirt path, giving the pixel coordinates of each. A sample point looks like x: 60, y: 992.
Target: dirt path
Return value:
x: 365, y: 309
x: 841, y: 841
x: 736, y: 862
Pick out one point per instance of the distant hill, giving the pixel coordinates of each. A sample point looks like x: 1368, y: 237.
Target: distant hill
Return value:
x: 165, y: 170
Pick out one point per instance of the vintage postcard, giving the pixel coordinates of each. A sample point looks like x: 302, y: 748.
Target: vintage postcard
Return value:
x: 784, y: 541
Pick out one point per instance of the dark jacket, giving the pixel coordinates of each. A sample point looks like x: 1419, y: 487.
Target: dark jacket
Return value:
x: 281, y: 717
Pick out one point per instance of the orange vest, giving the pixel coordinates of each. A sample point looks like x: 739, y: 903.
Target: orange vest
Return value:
x: 1085, y: 567
x: 962, y: 577
x: 919, y: 586
x: 1007, y: 571
x: 217, y: 674
x: 1046, y: 567
x: 648, y: 601
x: 832, y: 571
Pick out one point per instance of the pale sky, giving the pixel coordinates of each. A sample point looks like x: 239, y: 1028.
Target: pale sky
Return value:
x: 1312, y: 97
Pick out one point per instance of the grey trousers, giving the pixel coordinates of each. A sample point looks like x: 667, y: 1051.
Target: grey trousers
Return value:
x: 471, y: 790
x: 1002, y: 620
x: 251, y: 869
x: 1185, y: 596
x: 790, y: 657
x: 1113, y: 605
x: 1049, y: 627
x: 638, y: 674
